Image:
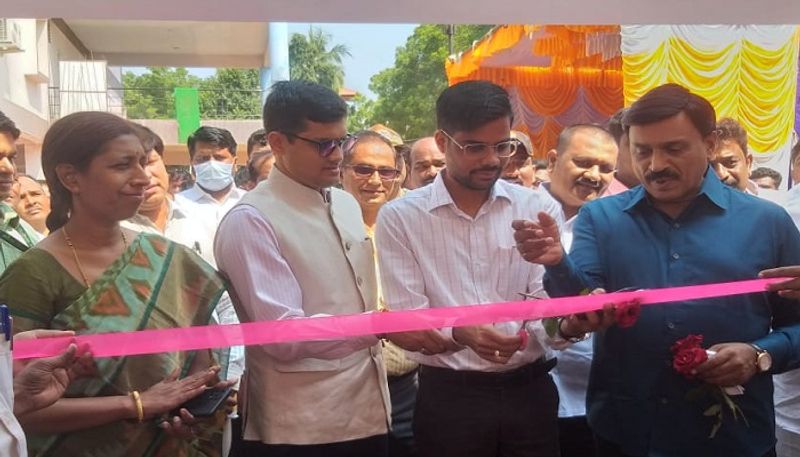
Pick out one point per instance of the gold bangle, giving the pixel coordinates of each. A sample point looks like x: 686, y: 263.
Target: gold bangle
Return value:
x: 137, y: 399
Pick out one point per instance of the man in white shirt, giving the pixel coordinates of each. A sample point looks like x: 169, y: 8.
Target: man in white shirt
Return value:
x: 158, y: 213
x: 296, y: 247
x: 581, y: 169
x: 213, y: 155
x: 451, y: 243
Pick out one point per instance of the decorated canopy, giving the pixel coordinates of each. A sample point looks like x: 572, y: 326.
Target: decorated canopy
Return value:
x: 562, y: 75
x: 556, y: 75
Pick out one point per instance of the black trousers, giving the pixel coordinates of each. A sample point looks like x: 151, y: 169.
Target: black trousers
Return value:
x: 374, y: 446
x: 575, y: 437
x: 608, y: 449
x: 403, y: 393
x: 478, y: 414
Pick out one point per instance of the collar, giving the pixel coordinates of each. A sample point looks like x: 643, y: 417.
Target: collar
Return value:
x: 280, y: 182
x: 196, y: 194
x: 546, y: 187
x: 440, y: 196
x: 712, y: 188
x: 9, y: 219
x: 174, y: 212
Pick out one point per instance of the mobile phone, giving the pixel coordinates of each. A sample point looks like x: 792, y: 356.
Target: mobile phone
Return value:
x: 205, y: 404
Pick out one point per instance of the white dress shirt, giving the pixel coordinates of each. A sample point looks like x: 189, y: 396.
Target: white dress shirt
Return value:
x: 248, y: 252
x: 432, y: 254
x: 205, y: 213
x: 571, y: 374
x: 787, y: 385
x: 12, y: 438
x: 181, y: 227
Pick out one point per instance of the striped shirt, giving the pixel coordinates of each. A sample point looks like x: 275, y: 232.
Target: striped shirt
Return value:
x: 432, y: 254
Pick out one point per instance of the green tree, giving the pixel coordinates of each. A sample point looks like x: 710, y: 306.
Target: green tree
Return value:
x: 406, y: 93
x: 231, y: 93
x: 361, y: 114
x: 311, y: 60
x: 150, y: 95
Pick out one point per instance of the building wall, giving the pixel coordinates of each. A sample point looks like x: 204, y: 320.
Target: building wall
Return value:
x: 25, y: 78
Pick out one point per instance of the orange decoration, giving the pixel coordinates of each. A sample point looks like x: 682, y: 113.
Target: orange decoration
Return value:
x: 550, y: 90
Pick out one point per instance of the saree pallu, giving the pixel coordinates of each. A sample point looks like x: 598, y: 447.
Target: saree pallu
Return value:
x: 155, y: 284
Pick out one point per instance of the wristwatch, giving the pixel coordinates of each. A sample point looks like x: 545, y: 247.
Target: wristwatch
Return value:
x: 570, y: 339
x: 763, y: 359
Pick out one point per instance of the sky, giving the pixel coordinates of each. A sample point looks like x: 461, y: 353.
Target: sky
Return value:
x: 372, y: 47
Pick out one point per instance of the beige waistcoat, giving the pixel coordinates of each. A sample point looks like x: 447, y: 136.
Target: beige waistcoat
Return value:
x: 315, y: 401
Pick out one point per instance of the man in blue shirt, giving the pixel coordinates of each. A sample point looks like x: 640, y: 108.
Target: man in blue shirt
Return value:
x: 683, y: 226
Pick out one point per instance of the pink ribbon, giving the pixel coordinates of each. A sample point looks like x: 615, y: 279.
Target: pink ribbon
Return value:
x: 339, y: 327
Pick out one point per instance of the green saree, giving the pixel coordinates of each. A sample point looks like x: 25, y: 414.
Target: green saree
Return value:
x: 155, y: 284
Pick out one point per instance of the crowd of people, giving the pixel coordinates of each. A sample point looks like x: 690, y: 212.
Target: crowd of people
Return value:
x: 323, y: 222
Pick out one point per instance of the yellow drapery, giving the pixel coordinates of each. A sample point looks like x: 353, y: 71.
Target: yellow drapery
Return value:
x: 744, y: 81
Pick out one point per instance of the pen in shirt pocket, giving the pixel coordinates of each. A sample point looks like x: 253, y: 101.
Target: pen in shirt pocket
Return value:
x: 196, y: 248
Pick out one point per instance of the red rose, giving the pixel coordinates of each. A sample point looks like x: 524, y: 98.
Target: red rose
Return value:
x: 688, y: 359
x: 626, y: 314
x: 691, y: 341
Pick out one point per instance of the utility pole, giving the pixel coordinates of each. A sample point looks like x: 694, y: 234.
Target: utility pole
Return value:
x: 451, y: 31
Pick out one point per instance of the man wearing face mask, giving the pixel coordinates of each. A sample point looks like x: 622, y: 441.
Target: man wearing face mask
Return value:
x: 213, y: 156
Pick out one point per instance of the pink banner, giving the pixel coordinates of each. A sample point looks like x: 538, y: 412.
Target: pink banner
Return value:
x: 339, y: 327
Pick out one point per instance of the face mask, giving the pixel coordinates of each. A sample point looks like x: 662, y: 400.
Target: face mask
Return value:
x: 213, y: 175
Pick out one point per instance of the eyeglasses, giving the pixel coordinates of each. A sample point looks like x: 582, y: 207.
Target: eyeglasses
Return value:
x: 366, y: 171
x: 326, y: 148
x: 502, y: 149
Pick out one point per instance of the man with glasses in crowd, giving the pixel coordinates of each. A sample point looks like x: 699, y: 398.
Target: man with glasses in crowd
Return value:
x: 296, y: 247
x: 371, y: 174
x: 484, y: 391
x: 519, y: 168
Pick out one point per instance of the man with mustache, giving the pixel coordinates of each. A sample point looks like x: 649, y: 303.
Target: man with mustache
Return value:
x: 16, y: 235
x: 484, y: 391
x: 668, y: 233
x: 32, y: 203
x: 425, y: 160
x: 581, y: 168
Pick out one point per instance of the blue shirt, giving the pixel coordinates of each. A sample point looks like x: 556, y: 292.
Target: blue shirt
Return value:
x: 635, y: 398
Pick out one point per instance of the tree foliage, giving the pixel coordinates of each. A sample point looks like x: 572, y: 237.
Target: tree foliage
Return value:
x: 406, y: 93
x: 311, y: 60
x: 230, y: 93
x: 150, y: 95
x: 360, y: 116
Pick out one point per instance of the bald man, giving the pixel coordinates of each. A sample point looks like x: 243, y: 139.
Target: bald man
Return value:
x: 424, y: 162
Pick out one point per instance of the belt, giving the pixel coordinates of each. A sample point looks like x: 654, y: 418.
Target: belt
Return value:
x: 516, y: 376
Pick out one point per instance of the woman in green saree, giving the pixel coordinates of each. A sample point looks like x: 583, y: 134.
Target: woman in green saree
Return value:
x: 91, y: 276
